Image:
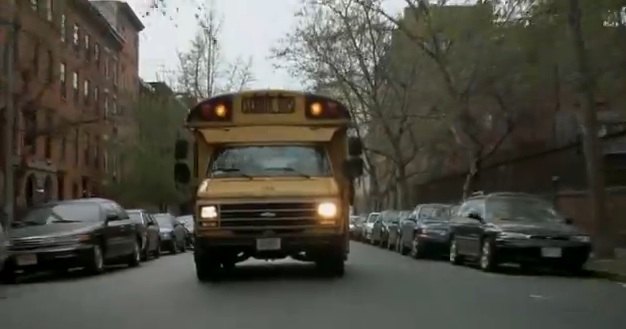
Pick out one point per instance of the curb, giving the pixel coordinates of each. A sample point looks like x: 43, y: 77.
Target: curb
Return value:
x: 618, y: 277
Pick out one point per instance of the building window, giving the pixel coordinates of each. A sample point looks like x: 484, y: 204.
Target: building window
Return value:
x: 86, y: 150
x: 76, y: 35
x: 106, y: 106
x: 63, y: 80
x: 63, y: 27
x: 96, y: 52
x: 87, y: 45
x: 49, y: 10
x: 63, y: 148
x: 106, y: 68
x: 96, y: 95
x: 76, y: 147
x: 75, y: 85
x: 86, y: 89
x: 48, y: 138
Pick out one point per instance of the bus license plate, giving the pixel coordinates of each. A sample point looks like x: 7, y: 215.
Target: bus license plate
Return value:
x: 26, y: 260
x: 551, y: 252
x: 268, y: 244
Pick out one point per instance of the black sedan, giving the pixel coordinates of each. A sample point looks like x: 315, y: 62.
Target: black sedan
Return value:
x: 516, y: 228
x: 425, y: 232
x: 75, y: 233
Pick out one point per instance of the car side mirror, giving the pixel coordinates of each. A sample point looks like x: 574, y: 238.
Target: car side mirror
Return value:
x: 569, y: 221
x: 475, y: 216
x: 112, y: 218
x: 181, y: 149
x: 355, y: 147
x: 353, y: 167
x: 182, y: 174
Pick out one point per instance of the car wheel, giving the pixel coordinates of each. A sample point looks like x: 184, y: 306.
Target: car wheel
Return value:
x: 487, y: 257
x: 96, y: 265
x: 157, y: 250
x: 454, y: 256
x: 135, y: 257
x: 174, y: 247
x: 417, y: 250
x: 207, y: 266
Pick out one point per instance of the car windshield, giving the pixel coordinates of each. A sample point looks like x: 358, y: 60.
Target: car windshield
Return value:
x: 372, y: 218
x: 61, y: 213
x: 521, y: 209
x: 135, y: 216
x: 282, y: 160
x: 164, y: 221
x: 439, y: 213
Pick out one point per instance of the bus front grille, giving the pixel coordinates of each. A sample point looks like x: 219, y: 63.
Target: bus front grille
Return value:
x: 268, y: 215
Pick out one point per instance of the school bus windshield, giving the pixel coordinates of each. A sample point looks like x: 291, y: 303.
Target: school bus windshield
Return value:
x: 271, y: 161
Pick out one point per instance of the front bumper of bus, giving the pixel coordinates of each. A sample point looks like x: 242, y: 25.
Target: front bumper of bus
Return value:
x: 270, y: 244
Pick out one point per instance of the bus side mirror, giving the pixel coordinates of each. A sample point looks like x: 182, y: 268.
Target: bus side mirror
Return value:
x: 181, y: 149
x: 182, y: 174
x: 353, y: 167
x: 355, y: 146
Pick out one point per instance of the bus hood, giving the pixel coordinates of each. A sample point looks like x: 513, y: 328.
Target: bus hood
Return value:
x: 267, y: 188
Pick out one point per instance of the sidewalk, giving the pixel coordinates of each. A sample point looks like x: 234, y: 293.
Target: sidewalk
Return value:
x: 613, y: 269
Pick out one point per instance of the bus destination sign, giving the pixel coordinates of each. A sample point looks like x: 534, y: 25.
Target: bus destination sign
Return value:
x: 268, y: 105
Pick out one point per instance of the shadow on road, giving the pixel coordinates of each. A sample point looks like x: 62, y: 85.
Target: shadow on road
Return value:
x: 269, y: 271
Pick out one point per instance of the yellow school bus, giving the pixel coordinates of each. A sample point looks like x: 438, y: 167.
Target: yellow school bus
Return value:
x: 274, y: 171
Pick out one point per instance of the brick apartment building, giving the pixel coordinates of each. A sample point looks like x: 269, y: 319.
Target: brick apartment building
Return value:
x: 68, y: 95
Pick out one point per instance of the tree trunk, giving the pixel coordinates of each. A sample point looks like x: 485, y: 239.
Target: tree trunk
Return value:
x: 591, y: 143
x: 470, y: 177
x: 402, y: 188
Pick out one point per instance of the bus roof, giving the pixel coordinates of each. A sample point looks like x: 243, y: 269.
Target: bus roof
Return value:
x: 268, y: 107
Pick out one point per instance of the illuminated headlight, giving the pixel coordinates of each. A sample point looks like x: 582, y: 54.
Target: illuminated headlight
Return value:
x: 208, y: 212
x: 513, y: 235
x: 327, y: 209
x: 581, y: 238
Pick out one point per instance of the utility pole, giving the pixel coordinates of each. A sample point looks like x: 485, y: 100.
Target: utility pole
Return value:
x: 9, y: 119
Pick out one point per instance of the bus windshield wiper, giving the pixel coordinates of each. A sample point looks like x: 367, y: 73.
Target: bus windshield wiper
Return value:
x: 226, y: 170
x: 289, y: 169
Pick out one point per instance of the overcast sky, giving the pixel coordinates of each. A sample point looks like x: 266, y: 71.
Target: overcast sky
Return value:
x: 249, y: 28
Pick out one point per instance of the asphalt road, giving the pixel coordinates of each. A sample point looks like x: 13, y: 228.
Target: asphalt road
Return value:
x: 380, y: 290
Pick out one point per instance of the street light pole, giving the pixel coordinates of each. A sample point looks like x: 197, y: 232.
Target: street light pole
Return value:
x: 9, y: 117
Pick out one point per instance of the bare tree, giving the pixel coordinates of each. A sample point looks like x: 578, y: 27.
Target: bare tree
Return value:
x: 461, y: 48
x: 343, y: 49
x: 203, y: 71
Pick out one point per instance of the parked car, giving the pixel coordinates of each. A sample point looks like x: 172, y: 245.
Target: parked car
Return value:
x: 426, y: 233
x: 4, y: 243
x: 173, y: 233
x: 355, y: 226
x: 380, y: 230
x: 188, y: 224
x: 518, y: 228
x: 369, y: 225
x: 149, y: 230
x: 85, y: 233
x: 393, y: 229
